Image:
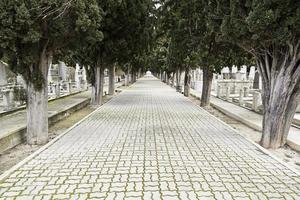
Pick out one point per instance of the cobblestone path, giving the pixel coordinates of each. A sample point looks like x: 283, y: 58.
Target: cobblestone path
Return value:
x: 151, y: 143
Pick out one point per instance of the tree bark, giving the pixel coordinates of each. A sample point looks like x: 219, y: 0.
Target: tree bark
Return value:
x: 139, y: 73
x: 280, y: 94
x: 133, y: 76
x: 178, y: 81
x: 206, y: 87
x: 187, y: 82
x: 37, y: 103
x: 168, y: 78
x: 111, y: 85
x: 97, y: 91
x: 173, y: 79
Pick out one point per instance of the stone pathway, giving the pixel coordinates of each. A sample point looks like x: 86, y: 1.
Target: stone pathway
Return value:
x: 150, y: 142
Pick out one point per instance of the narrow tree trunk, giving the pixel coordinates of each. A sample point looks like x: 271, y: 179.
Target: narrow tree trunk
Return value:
x: 206, y: 87
x: 280, y: 94
x: 173, y: 79
x: 168, y: 79
x: 126, y: 79
x: 111, y: 86
x: 187, y: 82
x: 97, y: 93
x: 37, y: 104
x: 133, y: 74
x: 178, y: 81
x: 140, y: 73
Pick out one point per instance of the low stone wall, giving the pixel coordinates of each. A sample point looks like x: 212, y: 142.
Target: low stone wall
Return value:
x: 16, y: 137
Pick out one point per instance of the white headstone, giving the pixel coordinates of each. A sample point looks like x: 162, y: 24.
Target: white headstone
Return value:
x: 234, y: 69
x: 225, y: 70
x: 62, y: 70
x: 244, y: 69
x: 252, y: 73
x: 243, y: 72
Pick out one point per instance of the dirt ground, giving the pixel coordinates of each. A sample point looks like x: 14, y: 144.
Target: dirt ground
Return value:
x: 11, y: 157
x: 286, y: 154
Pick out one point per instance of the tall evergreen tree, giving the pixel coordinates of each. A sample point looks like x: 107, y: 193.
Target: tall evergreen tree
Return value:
x: 34, y: 32
x: 270, y: 31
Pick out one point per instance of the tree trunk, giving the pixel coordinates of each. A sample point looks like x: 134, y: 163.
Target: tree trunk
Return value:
x: 187, y: 82
x: 37, y: 104
x: 126, y: 79
x: 280, y: 94
x: 206, y: 87
x: 139, y: 73
x: 97, y: 92
x: 111, y: 86
x: 173, y: 79
x: 168, y: 79
x: 133, y: 76
x: 178, y: 81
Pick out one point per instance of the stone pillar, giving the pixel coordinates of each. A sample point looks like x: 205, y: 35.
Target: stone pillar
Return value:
x: 241, y: 97
x: 256, y: 101
x: 246, y: 91
x: 69, y: 87
x: 227, y: 93
x: 57, y: 90
x: 219, y: 91
x: 252, y: 73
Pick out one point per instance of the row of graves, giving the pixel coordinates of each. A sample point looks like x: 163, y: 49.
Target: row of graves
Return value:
x: 241, y: 86
x: 62, y: 81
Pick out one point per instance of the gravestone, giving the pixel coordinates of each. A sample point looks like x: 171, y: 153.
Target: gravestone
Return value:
x: 243, y: 72
x: 256, y: 81
x: 252, y: 73
x: 62, y: 70
x: 226, y: 73
x: 234, y: 70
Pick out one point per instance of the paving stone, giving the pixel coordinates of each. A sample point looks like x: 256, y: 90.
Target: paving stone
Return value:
x: 150, y: 142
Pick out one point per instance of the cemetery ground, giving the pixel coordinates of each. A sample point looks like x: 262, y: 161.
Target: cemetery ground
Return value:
x: 150, y: 142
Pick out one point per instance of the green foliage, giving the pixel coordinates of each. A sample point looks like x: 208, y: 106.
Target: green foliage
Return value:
x: 256, y: 25
x: 29, y: 28
x: 127, y: 30
x: 194, y: 40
